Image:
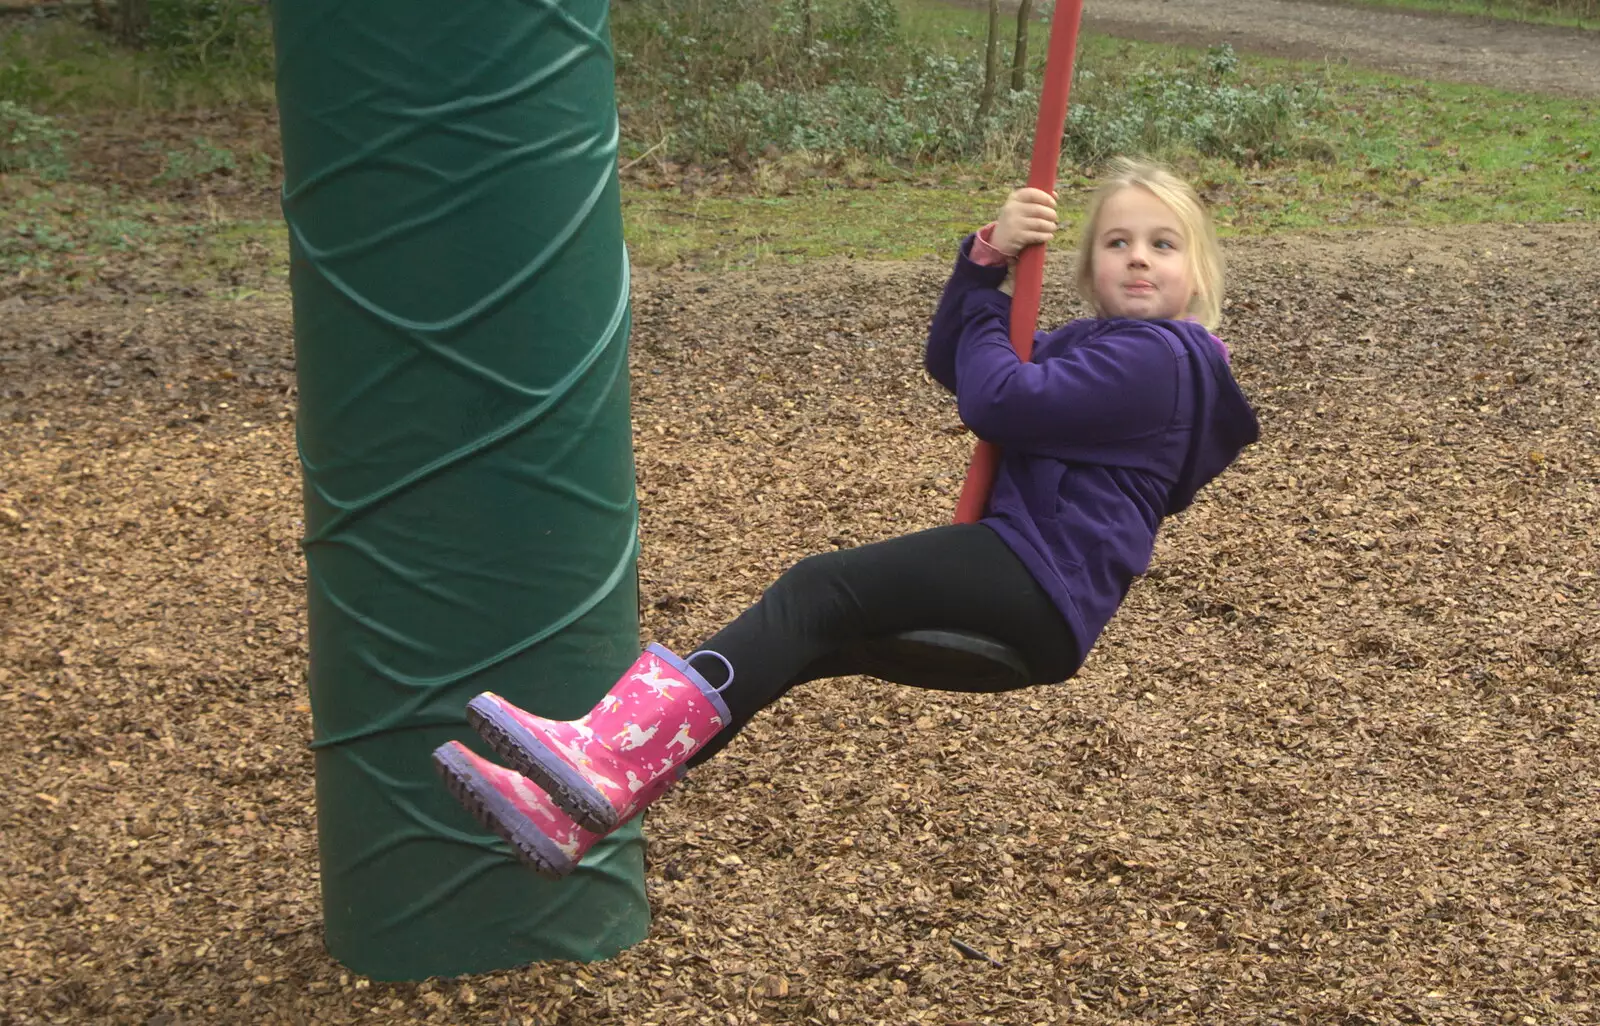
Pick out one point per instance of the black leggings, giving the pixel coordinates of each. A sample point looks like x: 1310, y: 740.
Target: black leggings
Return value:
x: 960, y: 577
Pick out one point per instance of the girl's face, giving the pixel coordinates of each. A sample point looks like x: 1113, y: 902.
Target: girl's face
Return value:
x: 1141, y: 260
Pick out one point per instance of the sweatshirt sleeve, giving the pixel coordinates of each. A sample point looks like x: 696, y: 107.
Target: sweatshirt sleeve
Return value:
x: 944, y: 334
x: 1084, y: 405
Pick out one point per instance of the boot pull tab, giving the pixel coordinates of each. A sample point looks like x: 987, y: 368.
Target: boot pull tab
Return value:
x: 721, y: 659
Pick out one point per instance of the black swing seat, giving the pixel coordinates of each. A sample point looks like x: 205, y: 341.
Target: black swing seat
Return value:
x: 945, y: 660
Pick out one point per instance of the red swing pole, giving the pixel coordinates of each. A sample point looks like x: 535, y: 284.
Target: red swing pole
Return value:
x: 1030, y: 266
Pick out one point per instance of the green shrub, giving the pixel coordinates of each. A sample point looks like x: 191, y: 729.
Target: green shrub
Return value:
x: 196, y: 53
x: 21, y: 79
x: 687, y: 49
x: 42, y: 59
x: 201, y: 160
x: 202, y: 34
x: 929, y: 114
x: 32, y: 142
x: 915, y: 104
x: 1163, y: 110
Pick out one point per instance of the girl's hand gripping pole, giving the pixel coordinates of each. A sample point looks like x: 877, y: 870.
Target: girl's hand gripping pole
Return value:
x: 1030, y: 264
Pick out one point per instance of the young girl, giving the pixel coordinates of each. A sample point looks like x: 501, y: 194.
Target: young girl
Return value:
x: 1116, y: 423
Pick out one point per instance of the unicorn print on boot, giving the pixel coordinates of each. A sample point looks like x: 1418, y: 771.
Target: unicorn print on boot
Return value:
x: 601, y: 768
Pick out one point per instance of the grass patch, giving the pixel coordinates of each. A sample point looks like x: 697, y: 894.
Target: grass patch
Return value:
x: 1390, y: 151
x: 1398, y: 152
x: 73, y: 236
x: 958, y: 30
x: 62, y: 66
x: 1584, y: 14
x: 890, y: 221
x: 1443, y: 152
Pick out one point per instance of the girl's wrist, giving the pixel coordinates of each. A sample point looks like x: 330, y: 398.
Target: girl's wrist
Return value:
x: 984, y: 252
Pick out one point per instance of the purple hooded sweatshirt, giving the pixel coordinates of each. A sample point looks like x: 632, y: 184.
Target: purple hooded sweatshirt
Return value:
x: 1113, y: 425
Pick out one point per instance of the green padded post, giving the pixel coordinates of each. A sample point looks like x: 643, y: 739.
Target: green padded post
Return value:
x: 461, y: 325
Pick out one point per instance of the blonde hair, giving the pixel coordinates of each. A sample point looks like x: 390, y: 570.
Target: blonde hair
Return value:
x: 1205, y: 256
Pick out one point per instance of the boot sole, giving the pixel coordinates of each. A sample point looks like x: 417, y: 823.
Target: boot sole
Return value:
x: 532, y: 845
x: 529, y: 756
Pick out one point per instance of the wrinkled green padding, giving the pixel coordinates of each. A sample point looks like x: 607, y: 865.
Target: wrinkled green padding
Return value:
x: 461, y: 324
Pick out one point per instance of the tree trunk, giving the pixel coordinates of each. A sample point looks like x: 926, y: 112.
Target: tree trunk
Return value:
x: 991, y: 61
x: 133, y: 21
x: 1019, y: 57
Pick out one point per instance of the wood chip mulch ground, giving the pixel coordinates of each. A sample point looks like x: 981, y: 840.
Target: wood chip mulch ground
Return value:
x: 1336, y: 762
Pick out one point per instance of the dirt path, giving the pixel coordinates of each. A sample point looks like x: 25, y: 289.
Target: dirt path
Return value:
x: 1523, y: 58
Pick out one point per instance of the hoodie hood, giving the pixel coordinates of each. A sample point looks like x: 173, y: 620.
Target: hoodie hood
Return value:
x: 1224, y: 423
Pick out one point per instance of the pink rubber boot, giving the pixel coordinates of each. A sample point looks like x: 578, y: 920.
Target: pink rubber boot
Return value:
x: 515, y: 808
x: 601, y: 768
